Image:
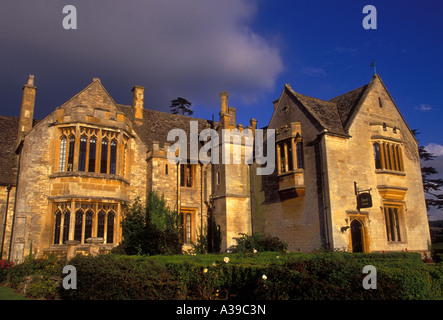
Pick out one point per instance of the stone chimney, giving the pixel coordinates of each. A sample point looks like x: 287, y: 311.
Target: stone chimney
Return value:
x: 138, y: 102
x: 27, y: 108
x: 224, y: 112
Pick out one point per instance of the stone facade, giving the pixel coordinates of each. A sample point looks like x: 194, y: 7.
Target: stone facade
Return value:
x: 65, y: 179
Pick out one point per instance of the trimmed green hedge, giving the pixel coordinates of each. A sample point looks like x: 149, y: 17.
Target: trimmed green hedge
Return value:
x: 267, y: 275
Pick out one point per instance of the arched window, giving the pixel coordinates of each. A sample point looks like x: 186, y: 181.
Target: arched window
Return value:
x: 66, y: 221
x: 110, y: 228
x: 57, y: 227
x: 82, y: 154
x: 92, y: 153
x: 62, y: 158
x: 78, y: 225
x: 88, y: 225
x: 299, y: 150
x: 113, y: 157
x: 71, y: 153
x: 101, y: 224
x: 104, y: 157
x: 377, y: 155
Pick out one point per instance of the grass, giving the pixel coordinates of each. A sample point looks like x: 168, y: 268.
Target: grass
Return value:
x: 9, y: 294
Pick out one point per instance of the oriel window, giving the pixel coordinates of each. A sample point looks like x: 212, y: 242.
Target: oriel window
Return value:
x: 113, y: 157
x: 104, y: 157
x: 62, y: 157
x: 92, y: 153
x: 71, y: 153
x: 299, y: 151
x: 82, y: 155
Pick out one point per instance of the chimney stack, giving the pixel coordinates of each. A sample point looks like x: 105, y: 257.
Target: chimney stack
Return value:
x: 27, y: 108
x: 224, y: 102
x: 138, y: 102
x: 224, y: 112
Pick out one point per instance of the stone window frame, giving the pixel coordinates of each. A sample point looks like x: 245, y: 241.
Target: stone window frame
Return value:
x: 64, y: 231
x: 394, y: 222
x: 388, y: 156
x: 187, y: 178
x: 188, y: 224
x: 72, y: 158
x: 290, y: 155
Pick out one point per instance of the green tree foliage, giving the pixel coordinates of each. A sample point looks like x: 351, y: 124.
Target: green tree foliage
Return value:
x: 151, y: 229
x: 181, y: 106
x: 431, y: 186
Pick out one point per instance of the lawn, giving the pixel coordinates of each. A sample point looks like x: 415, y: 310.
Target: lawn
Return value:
x: 9, y: 294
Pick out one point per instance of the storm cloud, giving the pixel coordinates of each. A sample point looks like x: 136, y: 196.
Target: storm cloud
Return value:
x: 194, y: 49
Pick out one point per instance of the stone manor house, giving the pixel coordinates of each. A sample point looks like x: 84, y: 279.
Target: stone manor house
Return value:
x: 347, y: 174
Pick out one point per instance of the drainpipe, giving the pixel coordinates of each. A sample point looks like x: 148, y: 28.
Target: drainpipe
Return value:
x: 8, y: 189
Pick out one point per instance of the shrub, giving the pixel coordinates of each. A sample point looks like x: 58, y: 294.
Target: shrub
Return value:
x: 258, y: 242
x: 267, y: 275
x: 5, y: 266
x: 151, y: 229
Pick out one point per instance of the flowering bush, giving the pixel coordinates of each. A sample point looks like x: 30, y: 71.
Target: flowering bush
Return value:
x: 258, y: 243
x: 4, y: 268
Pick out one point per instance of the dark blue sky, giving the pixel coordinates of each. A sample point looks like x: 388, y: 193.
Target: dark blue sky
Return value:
x: 198, y: 48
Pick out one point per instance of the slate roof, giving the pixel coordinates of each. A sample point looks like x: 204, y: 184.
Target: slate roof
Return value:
x: 157, y: 124
x: 8, y: 143
x: 333, y: 115
x: 325, y: 112
x: 348, y: 102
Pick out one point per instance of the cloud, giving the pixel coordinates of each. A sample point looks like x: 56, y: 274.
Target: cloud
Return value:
x: 314, y: 72
x: 425, y: 107
x: 434, y: 148
x: 193, y: 49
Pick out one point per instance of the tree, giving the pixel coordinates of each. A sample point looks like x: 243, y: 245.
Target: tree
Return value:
x: 430, y: 186
x: 151, y: 229
x: 181, y: 106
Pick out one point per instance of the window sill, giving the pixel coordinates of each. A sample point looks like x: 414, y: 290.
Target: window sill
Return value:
x: 297, y: 171
x: 384, y: 171
x: 89, y: 175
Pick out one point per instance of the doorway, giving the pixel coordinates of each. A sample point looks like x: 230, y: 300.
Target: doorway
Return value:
x: 357, y: 236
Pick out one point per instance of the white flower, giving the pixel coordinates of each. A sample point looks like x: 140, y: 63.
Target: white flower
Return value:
x: 254, y: 251
x: 226, y: 259
x: 277, y: 257
x: 264, y: 277
x: 213, y: 264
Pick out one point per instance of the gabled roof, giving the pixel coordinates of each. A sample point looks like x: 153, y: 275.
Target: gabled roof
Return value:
x: 93, y: 92
x: 347, y: 103
x: 335, y: 115
x: 325, y: 112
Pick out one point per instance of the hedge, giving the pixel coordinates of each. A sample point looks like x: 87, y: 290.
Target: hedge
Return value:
x: 267, y: 275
